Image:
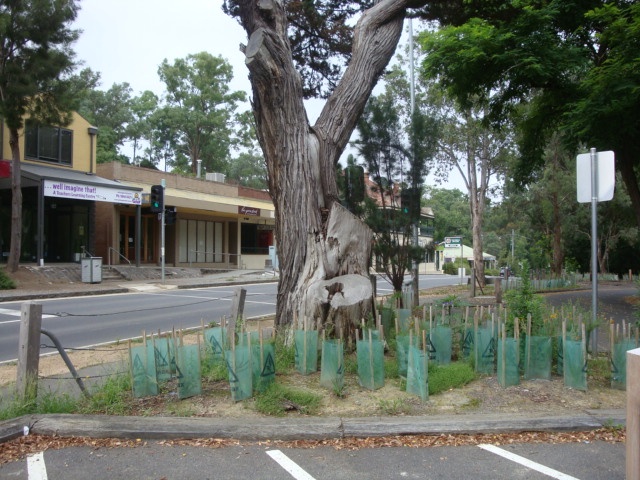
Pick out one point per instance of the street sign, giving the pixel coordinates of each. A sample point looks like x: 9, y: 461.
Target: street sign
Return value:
x: 452, y: 242
x: 606, y: 177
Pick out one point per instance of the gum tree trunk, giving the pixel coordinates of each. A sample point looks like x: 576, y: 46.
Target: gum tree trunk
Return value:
x: 13, y: 262
x: 323, y: 250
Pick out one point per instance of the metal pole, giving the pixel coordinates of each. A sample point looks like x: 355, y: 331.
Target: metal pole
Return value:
x: 594, y: 248
x: 513, y: 241
x: 164, y: 183
x: 461, y: 260
x: 138, y: 234
x: 414, y: 266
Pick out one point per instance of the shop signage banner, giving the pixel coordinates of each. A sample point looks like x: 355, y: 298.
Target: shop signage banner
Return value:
x: 61, y: 189
x: 249, y: 211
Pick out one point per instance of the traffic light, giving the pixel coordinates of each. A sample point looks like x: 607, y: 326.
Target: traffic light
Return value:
x: 157, y: 198
x: 410, y: 202
x: 405, y: 201
x: 170, y: 215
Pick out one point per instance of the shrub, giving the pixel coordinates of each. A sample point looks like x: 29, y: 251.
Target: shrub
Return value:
x: 522, y: 302
x: 446, y: 377
x: 450, y: 269
x: 6, y: 283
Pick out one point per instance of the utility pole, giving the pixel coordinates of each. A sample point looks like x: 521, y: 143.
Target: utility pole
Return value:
x: 414, y: 263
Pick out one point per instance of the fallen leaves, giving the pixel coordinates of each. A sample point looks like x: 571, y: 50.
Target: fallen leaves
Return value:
x: 21, y: 447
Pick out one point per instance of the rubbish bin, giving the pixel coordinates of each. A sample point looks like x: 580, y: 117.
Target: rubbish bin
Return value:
x: 91, y: 270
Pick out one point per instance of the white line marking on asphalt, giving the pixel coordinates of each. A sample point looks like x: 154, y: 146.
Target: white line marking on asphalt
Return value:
x: 9, y: 321
x: 224, y: 299
x: 289, y: 465
x: 527, y: 463
x: 36, y: 469
x: 17, y: 313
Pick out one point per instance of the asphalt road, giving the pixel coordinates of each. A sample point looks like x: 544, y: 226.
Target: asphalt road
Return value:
x: 584, y: 461
x: 94, y: 320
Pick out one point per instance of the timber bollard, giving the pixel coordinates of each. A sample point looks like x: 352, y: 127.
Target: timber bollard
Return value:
x: 497, y: 286
x: 633, y: 414
x: 29, y: 351
x: 237, y: 303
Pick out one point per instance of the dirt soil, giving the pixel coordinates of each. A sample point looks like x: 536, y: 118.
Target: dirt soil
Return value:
x: 483, y: 395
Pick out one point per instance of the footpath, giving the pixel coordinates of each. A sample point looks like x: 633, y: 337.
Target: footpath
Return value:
x: 299, y: 428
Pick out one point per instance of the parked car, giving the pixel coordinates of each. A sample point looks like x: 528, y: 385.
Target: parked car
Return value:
x: 506, y: 271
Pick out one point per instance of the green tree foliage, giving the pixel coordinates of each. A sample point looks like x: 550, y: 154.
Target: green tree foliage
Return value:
x: 575, y: 63
x: 36, y: 63
x: 109, y: 111
x: 140, y: 127
x: 199, y: 110
x: 248, y: 169
x: 451, y: 212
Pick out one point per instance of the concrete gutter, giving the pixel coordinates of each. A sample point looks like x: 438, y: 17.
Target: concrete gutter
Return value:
x: 300, y: 428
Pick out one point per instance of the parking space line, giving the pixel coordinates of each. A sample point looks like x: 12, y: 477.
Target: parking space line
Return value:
x: 289, y: 465
x: 527, y: 463
x: 36, y: 469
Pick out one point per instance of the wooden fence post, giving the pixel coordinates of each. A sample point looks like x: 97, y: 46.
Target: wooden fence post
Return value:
x: 497, y: 285
x: 633, y: 414
x: 237, y: 304
x: 29, y: 351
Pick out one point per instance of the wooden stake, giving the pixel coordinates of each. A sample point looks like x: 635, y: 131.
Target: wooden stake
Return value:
x: 130, y: 365
x: 373, y: 384
x: 504, y: 354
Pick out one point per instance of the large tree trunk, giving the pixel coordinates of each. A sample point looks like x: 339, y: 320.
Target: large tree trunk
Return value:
x: 477, y: 190
x: 626, y: 166
x: 13, y: 262
x: 323, y: 250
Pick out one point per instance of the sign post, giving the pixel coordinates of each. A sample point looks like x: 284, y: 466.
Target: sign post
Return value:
x: 452, y: 242
x: 596, y: 181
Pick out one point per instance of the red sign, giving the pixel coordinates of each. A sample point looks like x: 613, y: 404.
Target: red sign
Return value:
x: 249, y: 211
x: 5, y: 169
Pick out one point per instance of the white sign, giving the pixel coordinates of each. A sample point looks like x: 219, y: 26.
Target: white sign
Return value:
x: 452, y: 241
x: 79, y: 191
x: 606, y: 179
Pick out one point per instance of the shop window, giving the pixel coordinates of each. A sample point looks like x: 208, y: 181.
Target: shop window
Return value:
x: 49, y: 144
x: 200, y: 241
x: 256, y: 239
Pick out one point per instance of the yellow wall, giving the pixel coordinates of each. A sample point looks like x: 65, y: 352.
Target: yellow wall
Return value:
x: 82, y: 155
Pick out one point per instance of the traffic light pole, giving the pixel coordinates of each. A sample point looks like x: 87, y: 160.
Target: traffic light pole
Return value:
x: 162, y: 233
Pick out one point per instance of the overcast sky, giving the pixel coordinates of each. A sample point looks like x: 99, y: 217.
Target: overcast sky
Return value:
x: 126, y: 40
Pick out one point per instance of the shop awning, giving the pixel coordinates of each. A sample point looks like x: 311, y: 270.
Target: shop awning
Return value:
x: 66, y: 183
x: 216, y: 203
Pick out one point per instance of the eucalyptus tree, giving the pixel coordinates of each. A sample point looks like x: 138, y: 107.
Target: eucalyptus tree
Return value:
x: 36, y: 63
x: 140, y: 127
x: 199, y: 109
x: 111, y: 112
x: 479, y: 153
x: 247, y: 167
x: 451, y: 211
x: 298, y: 49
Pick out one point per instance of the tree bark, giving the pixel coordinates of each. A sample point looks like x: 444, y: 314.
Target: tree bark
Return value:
x: 630, y: 179
x: 13, y: 262
x: 323, y: 250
